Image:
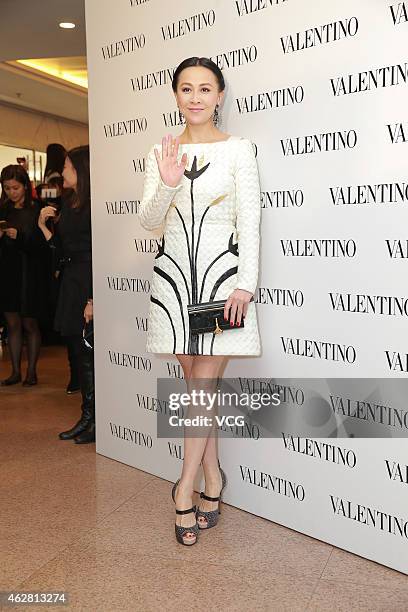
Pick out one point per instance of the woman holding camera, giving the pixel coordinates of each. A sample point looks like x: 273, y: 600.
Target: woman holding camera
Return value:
x: 23, y: 297
x: 75, y: 308
x: 204, y: 186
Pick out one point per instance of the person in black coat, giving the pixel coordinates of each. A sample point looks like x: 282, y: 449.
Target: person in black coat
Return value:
x: 72, y: 239
x: 55, y: 184
x: 23, y: 271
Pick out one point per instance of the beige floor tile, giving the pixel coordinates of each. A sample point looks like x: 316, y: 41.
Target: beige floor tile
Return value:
x: 147, y: 521
x: 111, y: 580
x: 69, y: 496
x: 50, y: 491
x: 104, y: 531
x: 346, y: 567
x: 240, y: 539
x: 332, y: 596
x: 23, y: 554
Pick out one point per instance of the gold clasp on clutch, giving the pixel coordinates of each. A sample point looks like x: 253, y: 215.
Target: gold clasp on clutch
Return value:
x: 217, y: 329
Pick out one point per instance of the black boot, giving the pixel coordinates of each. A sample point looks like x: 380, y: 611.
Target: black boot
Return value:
x: 88, y: 435
x: 86, y: 423
x: 87, y: 417
x: 73, y: 385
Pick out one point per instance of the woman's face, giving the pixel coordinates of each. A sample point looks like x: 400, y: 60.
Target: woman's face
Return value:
x: 69, y: 174
x: 197, y: 94
x: 15, y: 191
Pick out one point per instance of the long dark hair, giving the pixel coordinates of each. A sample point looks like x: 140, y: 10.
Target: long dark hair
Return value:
x: 199, y: 61
x: 15, y: 172
x: 81, y: 198
x: 55, y: 158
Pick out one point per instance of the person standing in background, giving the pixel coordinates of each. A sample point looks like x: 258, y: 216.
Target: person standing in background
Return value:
x: 75, y: 307
x: 55, y: 186
x: 22, y: 271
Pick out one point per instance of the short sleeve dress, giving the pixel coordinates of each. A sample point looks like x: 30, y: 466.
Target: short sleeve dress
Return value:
x: 210, y: 245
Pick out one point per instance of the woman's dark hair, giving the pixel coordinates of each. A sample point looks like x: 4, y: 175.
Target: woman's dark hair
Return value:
x: 56, y: 181
x: 81, y: 197
x: 55, y: 158
x: 199, y: 61
x: 15, y: 172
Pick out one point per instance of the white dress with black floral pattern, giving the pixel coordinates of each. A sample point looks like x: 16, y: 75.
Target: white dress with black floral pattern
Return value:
x: 210, y: 245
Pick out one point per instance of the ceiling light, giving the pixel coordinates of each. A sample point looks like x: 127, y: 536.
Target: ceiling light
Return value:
x: 72, y: 69
x: 66, y: 25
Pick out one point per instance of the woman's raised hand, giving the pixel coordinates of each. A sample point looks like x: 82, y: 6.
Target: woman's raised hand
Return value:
x: 170, y: 169
x: 11, y: 232
x: 48, y: 212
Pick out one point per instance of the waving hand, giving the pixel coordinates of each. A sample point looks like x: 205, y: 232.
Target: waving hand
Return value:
x: 170, y: 169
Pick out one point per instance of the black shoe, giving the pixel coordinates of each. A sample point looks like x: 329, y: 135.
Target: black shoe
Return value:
x: 77, y: 429
x: 30, y: 382
x: 185, y: 535
x: 87, y: 436
x: 210, y: 518
x: 11, y: 380
x: 73, y: 387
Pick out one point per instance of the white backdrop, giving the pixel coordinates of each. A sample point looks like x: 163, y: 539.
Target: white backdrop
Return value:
x: 320, y: 89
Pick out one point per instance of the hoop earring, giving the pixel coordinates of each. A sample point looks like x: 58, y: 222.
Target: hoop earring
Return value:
x: 216, y: 115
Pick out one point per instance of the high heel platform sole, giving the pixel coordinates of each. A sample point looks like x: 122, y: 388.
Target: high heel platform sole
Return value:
x: 213, y: 515
x: 182, y: 531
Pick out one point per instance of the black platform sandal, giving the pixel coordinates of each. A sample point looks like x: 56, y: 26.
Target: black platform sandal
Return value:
x: 180, y: 531
x: 212, y: 516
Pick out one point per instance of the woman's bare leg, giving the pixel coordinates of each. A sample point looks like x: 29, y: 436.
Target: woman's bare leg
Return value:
x: 195, y: 367
x: 212, y: 476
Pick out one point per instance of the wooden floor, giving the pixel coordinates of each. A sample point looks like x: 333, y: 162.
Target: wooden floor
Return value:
x: 103, y: 532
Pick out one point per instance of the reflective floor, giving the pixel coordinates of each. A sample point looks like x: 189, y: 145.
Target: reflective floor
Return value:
x: 103, y: 532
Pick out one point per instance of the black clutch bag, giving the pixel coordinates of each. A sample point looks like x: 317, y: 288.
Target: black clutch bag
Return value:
x: 208, y: 317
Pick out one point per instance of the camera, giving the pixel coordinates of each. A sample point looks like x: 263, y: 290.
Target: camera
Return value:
x: 48, y: 193
x: 51, y: 197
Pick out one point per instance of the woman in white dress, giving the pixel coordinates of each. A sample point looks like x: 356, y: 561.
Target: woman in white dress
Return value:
x: 204, y: 186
